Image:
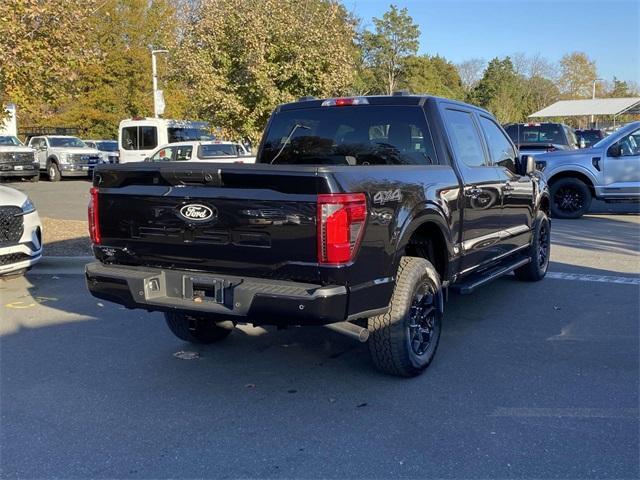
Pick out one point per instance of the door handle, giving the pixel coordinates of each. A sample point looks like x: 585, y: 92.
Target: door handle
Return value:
x: 507, y: 187
x: 473, y: 192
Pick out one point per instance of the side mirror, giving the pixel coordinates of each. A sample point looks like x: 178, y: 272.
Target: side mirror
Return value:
x: 615, y: 150
x: 530, y: 165
x: 146, y: 159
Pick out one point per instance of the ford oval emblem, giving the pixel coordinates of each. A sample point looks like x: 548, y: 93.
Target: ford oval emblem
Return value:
x: 198, y: 213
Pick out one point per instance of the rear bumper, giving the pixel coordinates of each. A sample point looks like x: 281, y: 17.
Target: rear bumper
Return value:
x: 252, y: 300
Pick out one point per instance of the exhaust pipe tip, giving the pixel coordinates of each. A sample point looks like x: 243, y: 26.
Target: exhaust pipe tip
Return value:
x: 351, y: 330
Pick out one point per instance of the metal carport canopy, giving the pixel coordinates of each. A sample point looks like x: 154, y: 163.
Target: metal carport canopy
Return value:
x: 597, y: 106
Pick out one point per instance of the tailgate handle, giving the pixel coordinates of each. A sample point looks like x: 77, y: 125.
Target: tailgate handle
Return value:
x: 192, y: 177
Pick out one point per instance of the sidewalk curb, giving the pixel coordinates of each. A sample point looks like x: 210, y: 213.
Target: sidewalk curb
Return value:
x: 60, y: 265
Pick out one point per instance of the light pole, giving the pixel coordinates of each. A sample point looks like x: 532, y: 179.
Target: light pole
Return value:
x: 154, y: 73
x: 593, y: 95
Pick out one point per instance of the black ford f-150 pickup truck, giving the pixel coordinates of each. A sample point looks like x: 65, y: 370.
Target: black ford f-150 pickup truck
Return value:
x: 358, y: 214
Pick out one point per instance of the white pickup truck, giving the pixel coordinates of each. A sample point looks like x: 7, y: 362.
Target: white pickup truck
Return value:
x: 64, y: 156
x: 16, y: 160
x: 205, y: 151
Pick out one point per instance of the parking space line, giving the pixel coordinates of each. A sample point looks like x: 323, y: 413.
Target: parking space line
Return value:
x: 583, y: 277
x: 566, y: 412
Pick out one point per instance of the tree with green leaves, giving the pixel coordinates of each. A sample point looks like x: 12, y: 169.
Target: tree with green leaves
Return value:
x: 537, y: 78
x: 433, y: 75
x: 42, y: 47
x: 238, y: 59
x: 501, y: 91
x: 539, y: 92
x: 116, y: 82
x: 387, y: 49
x: 619, y: 89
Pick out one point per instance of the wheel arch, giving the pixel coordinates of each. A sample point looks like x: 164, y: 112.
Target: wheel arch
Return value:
x: 544, y: 204
x: 576, y: 173
x: 427, y: 235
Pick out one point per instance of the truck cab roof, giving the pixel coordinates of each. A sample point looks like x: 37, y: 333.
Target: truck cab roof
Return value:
x: 395, y: 99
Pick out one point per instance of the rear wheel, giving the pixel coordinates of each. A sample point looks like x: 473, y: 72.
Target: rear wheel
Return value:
x: 404, y: 340
x: 197, y: 328
x: 539, y: 252
x: 53, y: 172
x: 570, y: 198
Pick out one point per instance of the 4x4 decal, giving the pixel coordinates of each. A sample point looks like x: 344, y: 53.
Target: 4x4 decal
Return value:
x: 385, y: 196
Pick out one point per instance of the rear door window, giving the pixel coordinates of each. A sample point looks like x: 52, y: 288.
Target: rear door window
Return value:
x: 183, y: 153
x: 465, y: 138
x: 148, y: 137
x: 130, y: 138
x: 349, y: 135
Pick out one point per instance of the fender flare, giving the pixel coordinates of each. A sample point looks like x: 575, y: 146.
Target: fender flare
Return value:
x: 571, y: 169
x: 422, y: 214
x: 542, y: 196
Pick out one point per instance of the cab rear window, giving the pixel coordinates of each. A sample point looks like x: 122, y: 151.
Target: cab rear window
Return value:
x: 543, y: 133
x: 218, y: 150
x: 349, y: 135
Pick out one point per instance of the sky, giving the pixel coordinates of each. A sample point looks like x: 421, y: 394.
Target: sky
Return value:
x: 608, y: 31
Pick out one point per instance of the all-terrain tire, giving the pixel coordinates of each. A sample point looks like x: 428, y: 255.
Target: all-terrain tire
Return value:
x: 53, y: 172
x: 539, y: 251
x: 570, y: 198
x: 392, y: 339
x: 197, y: 329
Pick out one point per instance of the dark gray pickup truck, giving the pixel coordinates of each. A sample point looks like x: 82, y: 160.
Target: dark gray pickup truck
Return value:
x: 358, y: 214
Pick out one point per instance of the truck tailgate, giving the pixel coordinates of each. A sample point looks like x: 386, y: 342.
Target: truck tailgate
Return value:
x: 245, y: 219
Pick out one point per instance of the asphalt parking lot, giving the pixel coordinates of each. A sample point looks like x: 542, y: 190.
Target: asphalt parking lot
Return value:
x: 531, y: 380
x: 68, y: 199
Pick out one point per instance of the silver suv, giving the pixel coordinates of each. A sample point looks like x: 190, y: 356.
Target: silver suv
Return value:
x: 609, y: 171
x: 64, y: 156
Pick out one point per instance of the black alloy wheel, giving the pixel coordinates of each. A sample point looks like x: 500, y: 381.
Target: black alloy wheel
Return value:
x: 570, y: 198
x: 422, y: 319
x: 544, y: 246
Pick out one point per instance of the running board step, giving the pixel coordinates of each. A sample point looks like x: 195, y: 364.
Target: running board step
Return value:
x: 474, y: 281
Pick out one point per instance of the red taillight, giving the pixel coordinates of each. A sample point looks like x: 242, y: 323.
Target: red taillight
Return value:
x: 341, y: 219
x: 94, y: 220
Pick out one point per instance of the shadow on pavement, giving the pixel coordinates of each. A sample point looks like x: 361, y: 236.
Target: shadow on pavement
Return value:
x: 597, y: 234
x: 78, y: 246
x: 98, y: 391
x: 599, y: 207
